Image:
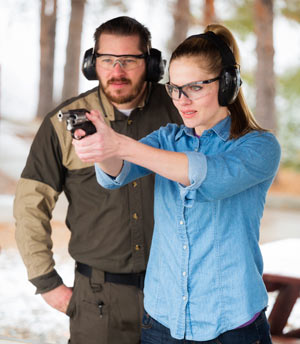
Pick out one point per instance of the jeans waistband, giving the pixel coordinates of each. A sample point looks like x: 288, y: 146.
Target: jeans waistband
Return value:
x: 134, y: 279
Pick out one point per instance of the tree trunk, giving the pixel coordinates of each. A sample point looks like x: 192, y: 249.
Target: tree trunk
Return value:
x: 47, y: 47
x: 209, y: 13
x: 181, y: 15
x: 265, y: 76
x: 72, y: 66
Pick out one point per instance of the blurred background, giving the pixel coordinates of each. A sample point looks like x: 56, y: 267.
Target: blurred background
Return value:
x: 42, y: 43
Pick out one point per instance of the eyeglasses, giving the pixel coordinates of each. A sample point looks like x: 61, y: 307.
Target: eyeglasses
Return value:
x: 192, y: 90
x: 127, y: 62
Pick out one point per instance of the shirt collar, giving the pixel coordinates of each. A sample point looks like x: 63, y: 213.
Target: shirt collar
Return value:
x: 222, y: 129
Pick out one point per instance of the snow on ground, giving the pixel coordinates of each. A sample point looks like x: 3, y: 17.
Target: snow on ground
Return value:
x: 23, y: 314
x: 283, y: 256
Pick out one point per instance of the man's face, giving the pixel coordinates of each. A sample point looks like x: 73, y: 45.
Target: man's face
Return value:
x: 121, y: 86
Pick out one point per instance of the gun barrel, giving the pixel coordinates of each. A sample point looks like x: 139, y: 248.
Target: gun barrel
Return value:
x: 60, y: 116
x: 76, y: 119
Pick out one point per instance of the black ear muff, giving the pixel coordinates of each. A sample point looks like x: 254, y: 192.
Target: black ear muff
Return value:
x: 88, y: 65
x: 155, y: 66
x: 229, y: 85
x: 230, y: 79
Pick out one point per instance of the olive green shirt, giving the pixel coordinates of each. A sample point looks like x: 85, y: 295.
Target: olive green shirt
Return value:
x: 110, y: 230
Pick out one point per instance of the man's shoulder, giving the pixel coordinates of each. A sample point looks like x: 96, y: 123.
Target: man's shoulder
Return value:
x: 83, y: 100
x: 157, y: 87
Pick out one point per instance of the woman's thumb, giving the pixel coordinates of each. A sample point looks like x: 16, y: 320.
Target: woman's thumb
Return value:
x: 96, y: 118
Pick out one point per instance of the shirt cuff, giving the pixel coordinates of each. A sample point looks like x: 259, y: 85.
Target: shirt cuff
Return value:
x: 197, y: 169
x: 197, y: 172
x: 47, y: 282
x: 110, y: 182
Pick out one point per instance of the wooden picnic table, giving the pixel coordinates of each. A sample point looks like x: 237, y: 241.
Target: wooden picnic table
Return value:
x: 282, y: 273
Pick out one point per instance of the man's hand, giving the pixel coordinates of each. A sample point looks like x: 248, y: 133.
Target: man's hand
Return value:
x: 58, y: 298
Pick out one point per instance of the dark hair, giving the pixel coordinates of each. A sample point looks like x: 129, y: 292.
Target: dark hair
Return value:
x: 242, y: 119
x: 125, y: 26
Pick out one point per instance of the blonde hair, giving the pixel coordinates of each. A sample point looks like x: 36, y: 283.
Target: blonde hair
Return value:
x: 242, y: 119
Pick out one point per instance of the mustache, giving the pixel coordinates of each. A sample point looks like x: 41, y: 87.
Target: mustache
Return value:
x: 112, y: 80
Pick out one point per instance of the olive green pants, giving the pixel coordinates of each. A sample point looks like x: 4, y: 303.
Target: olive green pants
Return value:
x: 104, y: 313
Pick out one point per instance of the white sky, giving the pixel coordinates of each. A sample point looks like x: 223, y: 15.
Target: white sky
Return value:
x: 19, y: 46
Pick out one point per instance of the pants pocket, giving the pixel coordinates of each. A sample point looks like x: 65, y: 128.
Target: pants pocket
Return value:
x: 71, y: 306
x: 147, y: 321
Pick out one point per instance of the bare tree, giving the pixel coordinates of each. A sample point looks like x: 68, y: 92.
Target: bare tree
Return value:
x: 47, y: 47
x: 72, y: 66
x: 181, y: 15
x: 209, y: 13
x: 265, y: 75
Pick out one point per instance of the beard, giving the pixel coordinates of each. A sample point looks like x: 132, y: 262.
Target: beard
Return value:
x: 118, y: 97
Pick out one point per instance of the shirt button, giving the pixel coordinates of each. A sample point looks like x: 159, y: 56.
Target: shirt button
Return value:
x: 134, y: 184
x: 184, y: 298
x: 137, y: 247
x: 196, y: 149
x: 129, y: 121
x: 181, y: 222
x: 184, y: 247
x: 135, y: 216
x: 184, y: 273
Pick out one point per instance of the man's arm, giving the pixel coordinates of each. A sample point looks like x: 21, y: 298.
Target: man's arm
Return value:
x: 36, y: 196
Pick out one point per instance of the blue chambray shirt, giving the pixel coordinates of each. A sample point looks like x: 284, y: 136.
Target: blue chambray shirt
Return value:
x: 204, y: 274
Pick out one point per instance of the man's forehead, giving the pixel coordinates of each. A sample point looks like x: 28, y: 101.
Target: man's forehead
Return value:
x: 109, y: 39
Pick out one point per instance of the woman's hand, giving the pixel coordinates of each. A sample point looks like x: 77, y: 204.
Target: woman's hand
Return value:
x: 101, y: 147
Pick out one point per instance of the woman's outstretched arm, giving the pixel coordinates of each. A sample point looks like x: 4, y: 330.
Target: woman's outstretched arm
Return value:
x: 109, y: 149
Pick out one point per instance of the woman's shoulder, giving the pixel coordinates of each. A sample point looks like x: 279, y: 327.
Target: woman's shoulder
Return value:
x: 170, y: 128
x: 265, y: 139
x: 260, y: 134
x: 169, y: 131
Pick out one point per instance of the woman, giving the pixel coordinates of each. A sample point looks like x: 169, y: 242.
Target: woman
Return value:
x: 204, y: 275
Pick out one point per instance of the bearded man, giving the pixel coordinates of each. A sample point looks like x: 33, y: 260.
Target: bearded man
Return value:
x: 110, y: 231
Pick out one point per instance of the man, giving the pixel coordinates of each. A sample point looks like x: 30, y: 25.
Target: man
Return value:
x: 110, y: 230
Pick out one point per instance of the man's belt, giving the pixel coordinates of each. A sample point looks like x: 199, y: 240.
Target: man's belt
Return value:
x: 134, y: 279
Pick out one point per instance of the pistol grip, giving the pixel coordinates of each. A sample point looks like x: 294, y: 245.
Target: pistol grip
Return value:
x: 88, y: 127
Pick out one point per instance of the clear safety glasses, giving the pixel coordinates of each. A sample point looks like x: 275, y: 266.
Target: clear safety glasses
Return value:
x: 192, y: 90
x: 126, y: 62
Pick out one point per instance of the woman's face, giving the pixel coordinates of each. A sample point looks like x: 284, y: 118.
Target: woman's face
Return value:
x: 201, y: 113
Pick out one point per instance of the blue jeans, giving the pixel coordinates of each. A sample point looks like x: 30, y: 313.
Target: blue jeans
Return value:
x: 256, y: 333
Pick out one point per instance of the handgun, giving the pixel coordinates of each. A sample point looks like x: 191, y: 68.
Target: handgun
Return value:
x: 76, y: 119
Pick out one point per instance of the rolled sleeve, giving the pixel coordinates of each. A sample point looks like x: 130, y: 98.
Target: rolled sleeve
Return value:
x: 197, y: 164
x: 197, y: 169
x: 109, y: 182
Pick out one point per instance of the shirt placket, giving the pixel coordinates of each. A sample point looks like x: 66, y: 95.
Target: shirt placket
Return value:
x: 182, y: 325
x: 135, y: 210
x: 183, y: 271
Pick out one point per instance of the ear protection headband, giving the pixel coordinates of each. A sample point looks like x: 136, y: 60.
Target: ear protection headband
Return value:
x: 155, y: 65
x: 230, y: 79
